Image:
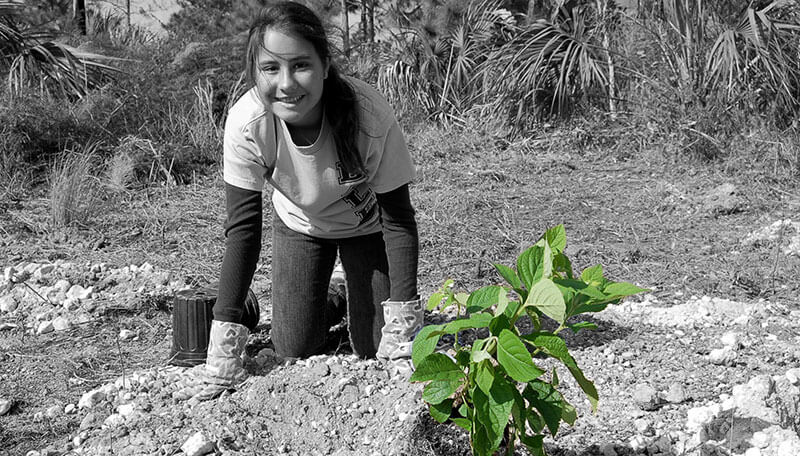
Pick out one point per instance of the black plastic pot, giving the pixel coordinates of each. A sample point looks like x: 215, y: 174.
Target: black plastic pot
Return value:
x: 191, y: 322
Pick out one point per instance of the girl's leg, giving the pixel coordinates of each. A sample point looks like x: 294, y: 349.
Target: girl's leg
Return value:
x: 367, y: 275
x: 301, y: 269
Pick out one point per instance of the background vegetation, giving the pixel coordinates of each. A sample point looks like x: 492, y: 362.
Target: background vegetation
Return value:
x: 689, y: 79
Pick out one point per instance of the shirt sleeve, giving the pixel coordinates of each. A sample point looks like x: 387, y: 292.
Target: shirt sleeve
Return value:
x: 395, y: 166
x: 243, y: 164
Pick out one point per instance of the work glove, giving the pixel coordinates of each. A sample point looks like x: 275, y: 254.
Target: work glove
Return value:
x: 224, y: 367
x: 402, y: 322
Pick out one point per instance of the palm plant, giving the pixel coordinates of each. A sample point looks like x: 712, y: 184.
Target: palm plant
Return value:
x: 29, y: 57
x: 550, y: 65
x: 758, y: 53
x: 712, y: 51
x: 441, y: 59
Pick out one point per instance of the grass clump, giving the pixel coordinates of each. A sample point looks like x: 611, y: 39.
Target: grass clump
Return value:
x: 72, y: 186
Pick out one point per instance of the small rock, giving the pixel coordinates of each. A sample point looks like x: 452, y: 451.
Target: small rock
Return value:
x: 71, y: 304
x: 78, y: 292
x: 676, y: 394
x: 126, y: 334
x: 69, y: 409
x: 643, y: 426
x: 8, y: 304
x: 61, y: 324
x: 730, y: 339
x: 722, y: 356
x: 5, y: 405
x: 760, y: 440
x: 752, y: 452
x: 126, y: 409
x: 44, y: 327
x: 197, y: 445
x: 113, y: 420
x: 62, y: 285
x: 645, y: 396
x: 91, y: 398
x: 793, y: 375
x: 52, y: 411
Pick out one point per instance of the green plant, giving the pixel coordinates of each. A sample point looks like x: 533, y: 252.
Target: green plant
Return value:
x: 492, y: 387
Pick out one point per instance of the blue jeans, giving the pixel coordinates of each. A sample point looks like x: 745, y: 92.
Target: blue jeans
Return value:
x: 301, y: 270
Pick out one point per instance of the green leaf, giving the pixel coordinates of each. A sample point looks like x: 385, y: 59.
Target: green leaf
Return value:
x: 546, y: 296
x: 582, y: 325
x: 510, y: 310
x: 561, y: 264
x: 534, y: 444
x: 478, y: 320
x: 547, y: 261
x: 435, y: 300
x: 548, y: 402
x: 568, y: 413
x: 622, y: 289
x: 515, y: 358
x: 438, y: 391
x: 424, y: 343
x: 509, y: 275
x: 493, y: 411
x: 498, y: 324
x: 557, y: 348
x: 529, y: 265
x: 593, y: 276
x: 441, y: 411
x: 554, y: 377
x: 463, y: 423
x: 580, y: 287
x: 502, y: 303
x: 461, y: 298
x: 551, y: 345
x: 462, y: 357
x: 557, y: 238
x: 437, y: 366
x: 481, y: 440
x: 483, y: 298
x: 478, y: 353
x: 484, y: 377
x: 586, y: 385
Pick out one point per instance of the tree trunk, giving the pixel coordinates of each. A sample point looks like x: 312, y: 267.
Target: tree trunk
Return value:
x: 370, y: 21
x: 345, y: 30
x: 605, y: 19
x: 363, y: 23
x: 79, y: 15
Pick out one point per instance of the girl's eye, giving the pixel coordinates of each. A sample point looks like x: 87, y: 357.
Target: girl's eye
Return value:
x: 302, y: 65
x: 269, y: 69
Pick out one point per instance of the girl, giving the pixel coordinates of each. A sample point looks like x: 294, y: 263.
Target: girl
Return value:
x: 334, y: 154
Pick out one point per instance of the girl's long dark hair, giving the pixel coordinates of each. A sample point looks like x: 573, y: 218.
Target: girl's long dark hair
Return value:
x: 338, y: 96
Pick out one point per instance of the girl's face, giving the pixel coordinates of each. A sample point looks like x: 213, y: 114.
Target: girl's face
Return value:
x: 290, y: 78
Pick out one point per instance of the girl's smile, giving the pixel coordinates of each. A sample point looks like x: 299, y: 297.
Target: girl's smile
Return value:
x: 290, y: 79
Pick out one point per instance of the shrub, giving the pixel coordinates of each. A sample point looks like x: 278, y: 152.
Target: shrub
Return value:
x: 491, y: 386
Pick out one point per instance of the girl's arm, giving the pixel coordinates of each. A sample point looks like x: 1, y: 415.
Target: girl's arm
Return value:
x: 242, y: 248
x: 402, y: 242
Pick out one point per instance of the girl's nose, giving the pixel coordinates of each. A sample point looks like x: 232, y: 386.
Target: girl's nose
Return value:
x: 286, y: 79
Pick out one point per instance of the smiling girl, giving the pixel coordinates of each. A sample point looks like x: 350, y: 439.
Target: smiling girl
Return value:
x: 333, y: 152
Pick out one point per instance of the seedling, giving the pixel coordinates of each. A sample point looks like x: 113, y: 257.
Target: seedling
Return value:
x: 492, y: 387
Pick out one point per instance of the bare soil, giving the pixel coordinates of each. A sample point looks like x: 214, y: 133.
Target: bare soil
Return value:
x: 648, y: 220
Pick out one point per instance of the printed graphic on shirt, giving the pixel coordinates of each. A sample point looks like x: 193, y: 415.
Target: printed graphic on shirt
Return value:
x: 363, y: 201
x: 345, y: 177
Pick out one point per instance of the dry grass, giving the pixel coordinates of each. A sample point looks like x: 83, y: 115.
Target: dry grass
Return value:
x: 72, y: 186
x: 479, y: 200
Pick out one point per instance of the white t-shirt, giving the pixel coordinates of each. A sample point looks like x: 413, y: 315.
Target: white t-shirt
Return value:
x: 312, y: 195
